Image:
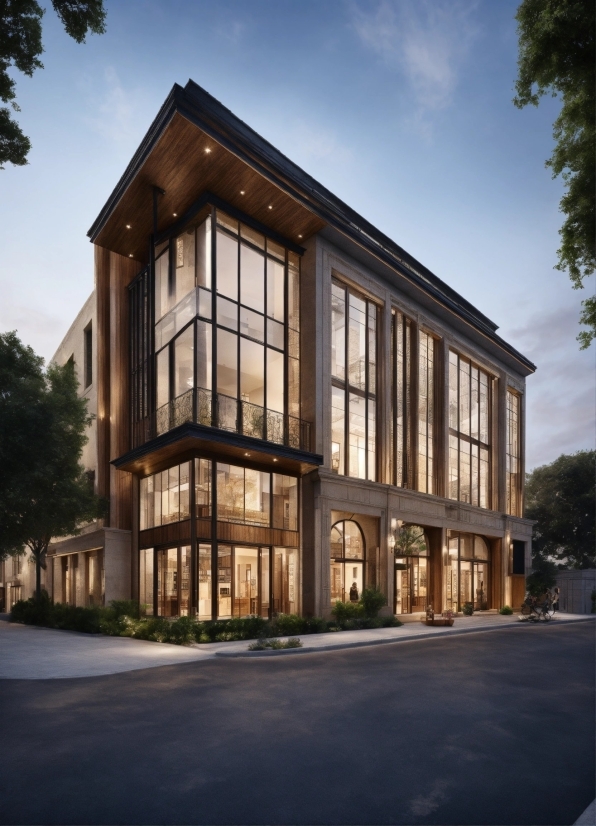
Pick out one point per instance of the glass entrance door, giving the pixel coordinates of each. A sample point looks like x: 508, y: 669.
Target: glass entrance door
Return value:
x: 411, y: 584
x: 480, y: 582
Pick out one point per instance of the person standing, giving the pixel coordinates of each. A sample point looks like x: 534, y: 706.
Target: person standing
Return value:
x: 556, y: 595
x: 354, y: 592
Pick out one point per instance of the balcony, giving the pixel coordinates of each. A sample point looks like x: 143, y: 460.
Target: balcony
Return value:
x: 225, y: 413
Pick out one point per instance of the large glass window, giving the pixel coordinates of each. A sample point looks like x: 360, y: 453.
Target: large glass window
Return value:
x: 426, y: 413
x: 402, y: 463
x: 470, y: 402
x: 466, y: 572
x: 347, y: 562
x: 513, y: 456
x: 165, y: 496
x: 411, y: 570
x: 255, y: 337
x: 173, y: 581
x: 353, y: 371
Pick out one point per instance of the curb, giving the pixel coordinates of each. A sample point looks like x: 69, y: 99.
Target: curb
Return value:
x: 390, y: 641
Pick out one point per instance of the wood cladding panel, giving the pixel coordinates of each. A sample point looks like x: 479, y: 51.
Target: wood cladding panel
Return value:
x: 254, y: 535
x: 174, y: 533
x: 102, y: 287
x: 179, y: 165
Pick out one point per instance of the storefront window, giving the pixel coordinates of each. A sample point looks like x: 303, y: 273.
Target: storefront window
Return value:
x: 347, y: 562
x: 165, y: 497
x: 466, y: 572
x: 411, y: 570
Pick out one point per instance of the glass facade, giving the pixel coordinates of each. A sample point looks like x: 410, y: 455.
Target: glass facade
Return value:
x: 470, y: 401
x: 347, y: 562
x: 249, y: 578
x: 466, y: 572
x: 513, y: 456
x: 426, y: 413
x: 353, y: 392
x: 412, y: 568
x: 227, y: 332
x: 402, y: 461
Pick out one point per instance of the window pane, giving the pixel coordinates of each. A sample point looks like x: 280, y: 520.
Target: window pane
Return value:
x: 143, y: 504
x: 230, y: 493
x: 357, y: 343
x: 275, y: 380
x: 203, y: 487
x: 294, y: 387
x: 204, y: 355
x: 224, y: 582
x: 275, y: 289
x: 353, y: 545
x: 285, y: 585
x: 252, y: 278
x: 372, y: 348
x: 253, y: 324
x: 453, y: 402
x: 184, y: 362
x: 276, y: 249
x: 337, y: 430
x: 464, y: 467
x: 464, y: 397
x: 252, y: 368
x: 227, y: 266
x: 265, y: 585
x: 184, y: 581
x: 338, y: 332
x: 227, y: 313
x: 204, y: 254
x: 163, y: 377
x: 157, y: 498
x: 256, y: 493
x: 184, y: 270
x: 204, y: 574
x: 172, y: 514
x: 372, y: 472
x: 253, y: 236
x: 293, y: 291
x: 357, y: 437
x: 227, y: 363
x: 275, y: 334
x: 229, y: 223
x: 146, y: 580
x: 474, y: 406
x: 285, y: 502
x: 162, y: 290
x: 184, y: 500
x: 205, y: 304
x: 246, y: 581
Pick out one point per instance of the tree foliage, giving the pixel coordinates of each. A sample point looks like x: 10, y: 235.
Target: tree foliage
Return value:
x: 557, y: 55
x: 410, y: 540
x: 20, y: 47
x: 44, y: 490
x: 560, y: 497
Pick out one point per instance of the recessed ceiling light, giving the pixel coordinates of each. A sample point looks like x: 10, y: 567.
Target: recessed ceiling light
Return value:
x: 128, y: 226
x: 242, y: 192
x: 175, y: 214
x: 207, y: 151
x: 299, y: 236
x: 247, y: 454
x: 275, y: 460
x: 130, y: 255
x: 270, y: 207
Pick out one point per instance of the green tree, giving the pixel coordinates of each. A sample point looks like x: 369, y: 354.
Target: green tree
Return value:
x: 542, y: 578
x: 560, y: 497
x: 557, y: 55
x: 410, y: 540
x: 44, y: 490
x: 21, y: 46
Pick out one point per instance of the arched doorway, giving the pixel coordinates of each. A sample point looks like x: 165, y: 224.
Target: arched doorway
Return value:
x: 347, y: 561
x: 411, y: 570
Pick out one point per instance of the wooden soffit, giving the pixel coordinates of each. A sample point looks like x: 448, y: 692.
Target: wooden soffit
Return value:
x: 181, y: 166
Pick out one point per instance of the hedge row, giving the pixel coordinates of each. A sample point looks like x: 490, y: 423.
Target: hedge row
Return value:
x: 122, y: 618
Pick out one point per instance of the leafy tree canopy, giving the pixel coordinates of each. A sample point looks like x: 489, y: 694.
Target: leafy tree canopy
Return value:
x: 21, y: 46
x: 44, y: 490
x: 557, y: 55
x: 410, y: 540
x: 560, y: 497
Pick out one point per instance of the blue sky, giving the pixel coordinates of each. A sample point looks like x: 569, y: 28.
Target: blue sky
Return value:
x: 402, y: 108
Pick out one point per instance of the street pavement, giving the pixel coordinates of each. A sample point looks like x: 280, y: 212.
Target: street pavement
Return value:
x: 493, y: 728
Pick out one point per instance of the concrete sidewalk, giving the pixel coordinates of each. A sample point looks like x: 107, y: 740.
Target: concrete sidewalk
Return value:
x: 408, y: 632
x: 31, y: 653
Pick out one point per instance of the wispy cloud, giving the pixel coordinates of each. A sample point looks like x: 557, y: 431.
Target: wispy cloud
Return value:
x: 115, y: 109
x: 319, y: 143
x: 424, y: 40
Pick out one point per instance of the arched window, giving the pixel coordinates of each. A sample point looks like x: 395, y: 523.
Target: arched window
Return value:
x: 347, y: 561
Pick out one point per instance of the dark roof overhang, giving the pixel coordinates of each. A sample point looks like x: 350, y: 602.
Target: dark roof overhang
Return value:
x: 188, y: 440
x: 172, y: 157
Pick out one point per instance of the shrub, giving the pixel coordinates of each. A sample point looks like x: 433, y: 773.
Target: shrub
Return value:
x: 275, y: 645
x: 468, y: 609
x: 505, y: 610
x: 372, y: 600
x: 344, y: 611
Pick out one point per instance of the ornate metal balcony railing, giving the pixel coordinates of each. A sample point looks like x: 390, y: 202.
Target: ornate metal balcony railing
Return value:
x: 226, y: 413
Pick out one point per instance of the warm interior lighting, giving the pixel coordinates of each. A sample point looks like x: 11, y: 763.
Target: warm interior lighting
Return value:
x: 130, y: 255
x: 128, y: 226
x: 175, y: 214
x: 207, y: 151
x: 275, y: 460
x: 299, y: 236
x: 270, y: 207
x: 242, y: 192
x: 247, y: 454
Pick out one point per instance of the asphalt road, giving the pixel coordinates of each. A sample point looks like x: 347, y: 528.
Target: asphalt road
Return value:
x: 482, y: 729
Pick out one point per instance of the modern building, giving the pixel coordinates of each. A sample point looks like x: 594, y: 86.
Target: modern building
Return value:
x: 290, y: 407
